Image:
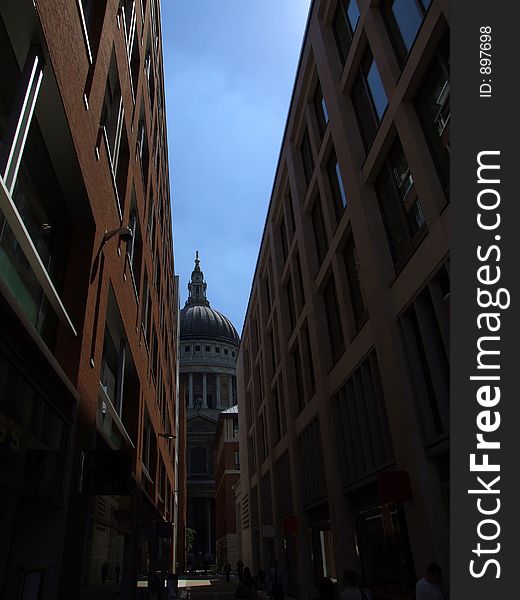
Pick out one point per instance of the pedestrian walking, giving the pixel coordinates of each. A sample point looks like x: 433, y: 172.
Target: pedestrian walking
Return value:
x: 352, y: 590
x: 104, y: 572
x: 277, y: 581
x: 242, y: 592
x: 172, y: 585
x: 326, y: 589
x: 260, y: 579
x: 429, y: 587
x: 249, y: 581
x: 240, y: 570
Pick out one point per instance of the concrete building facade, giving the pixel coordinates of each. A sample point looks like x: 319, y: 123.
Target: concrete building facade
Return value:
x: 208, y: 353
x: 343, y: 370
x: 89, y: 301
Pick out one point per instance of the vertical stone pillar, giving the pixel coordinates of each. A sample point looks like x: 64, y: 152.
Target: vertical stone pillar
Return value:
x: 190, y: 391
x: 204, y: 391
x: 219, y: 405
x: 230, y: 390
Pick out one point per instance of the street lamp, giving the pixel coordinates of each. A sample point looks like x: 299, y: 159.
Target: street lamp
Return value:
x: 125, y: 235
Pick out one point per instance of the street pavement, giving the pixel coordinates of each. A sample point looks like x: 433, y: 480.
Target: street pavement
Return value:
x: 206, y: 587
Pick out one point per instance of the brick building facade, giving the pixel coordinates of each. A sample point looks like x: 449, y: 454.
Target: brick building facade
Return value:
x: 227, y: 474
x: 89, y: 335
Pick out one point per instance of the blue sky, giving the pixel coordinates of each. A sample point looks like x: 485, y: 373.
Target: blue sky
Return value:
x: 229, y: 72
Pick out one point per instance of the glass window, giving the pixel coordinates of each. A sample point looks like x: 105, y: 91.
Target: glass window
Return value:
x: 433, y: 106
x: 404, y: 19
x: 320, y: 233
x: 135, y: 245
x: 283, y: 239
x: 369, y: 98
x: 320, y: 108
x: 290, y: 304
x: 92, y: 14
x: 39, y: 200
x: 376, y: 89
x: 307, y: 158
x: 400, y: 206
x: 354, y: 283
x: 337, y: 344
x: 353, y: 14
x: 300, y: 397
x: 33, y: 437
x: 186, y: 348
x: 336, y: 185
x: 344, y: 24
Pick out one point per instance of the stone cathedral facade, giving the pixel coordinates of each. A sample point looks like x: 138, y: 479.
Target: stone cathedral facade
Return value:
x: 208, y: 350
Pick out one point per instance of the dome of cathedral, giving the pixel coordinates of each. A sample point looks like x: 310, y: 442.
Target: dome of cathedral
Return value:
x: 203, y: 322
x: 198, y: 320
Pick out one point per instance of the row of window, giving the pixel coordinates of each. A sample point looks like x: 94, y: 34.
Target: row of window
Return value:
x: 208, y: 349
x: 358, y: 407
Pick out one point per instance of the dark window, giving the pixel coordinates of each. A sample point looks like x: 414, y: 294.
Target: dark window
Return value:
x: 135, y: 60
x: 322, y: 115
x: 307, y: 159
x: 283, y: 239
x: 369, y: 98
x: 112, y: 122
x: 277, y: 429
x: 309, y: 455
x: 337, y: 344
x: 425, y: 327
x: 320, y: 233
x: 404, y: 19
x: 309, y: 366
x: 354, y: 283
x: 344, y: 24
x: 298, y: 374
x: 197, y: 348
x: 290, y: 216
x: 360, y: 420
x: 300, y: 292
x: 37, y: 196
x: 135, y: 245
x: 400, y: 206
x: 208, y: 348
x: 92, y: 14
x: 290, y: 305
x: 199, y: 460
x: 282, y: 473
x: 336, y: 185
x: 150, y: 79
x: 263, y: 439
x: 226, y: 351
x: 186, y: 348
x: 217, y: 349
x: 433, y: 106
x: 142, y: 150
x: 155, y: 353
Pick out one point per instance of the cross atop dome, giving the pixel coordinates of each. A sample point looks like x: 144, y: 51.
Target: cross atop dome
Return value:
x: 197, y: 286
